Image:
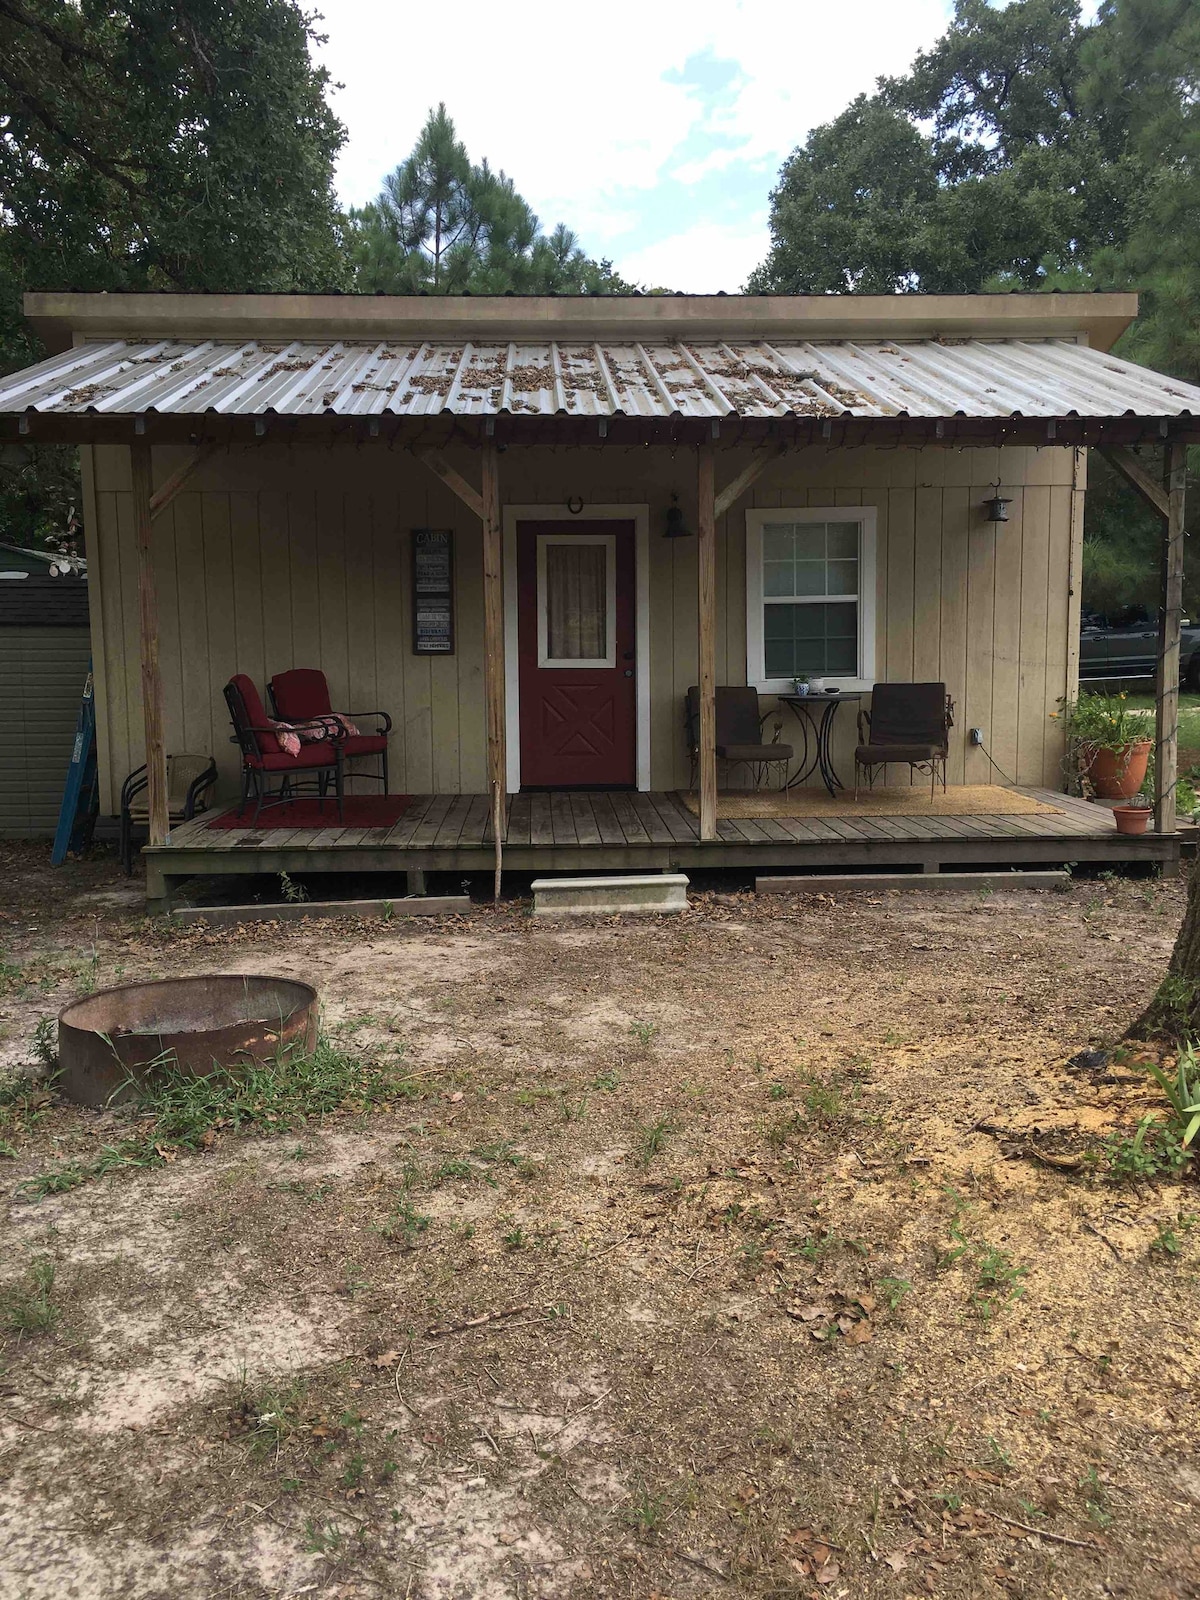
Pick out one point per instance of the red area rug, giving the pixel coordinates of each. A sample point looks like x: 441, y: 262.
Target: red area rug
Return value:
x: 358, y: 811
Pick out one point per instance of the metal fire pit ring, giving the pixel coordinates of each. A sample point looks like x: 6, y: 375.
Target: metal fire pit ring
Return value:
x: 111, y: 1043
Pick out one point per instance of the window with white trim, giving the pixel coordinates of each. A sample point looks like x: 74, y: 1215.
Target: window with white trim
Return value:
x: 810, y: 596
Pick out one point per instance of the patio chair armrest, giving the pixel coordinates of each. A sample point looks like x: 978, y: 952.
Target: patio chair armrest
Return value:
x: 137, y: 780
x: 202, y: 782
x: 949, y: 713
x: 864, y: 727
x: 334, y: 731
x: 386, y: 720
x: 772, y: 711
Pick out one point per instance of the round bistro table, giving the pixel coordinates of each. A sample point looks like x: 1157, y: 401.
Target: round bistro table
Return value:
x: 815, y: 713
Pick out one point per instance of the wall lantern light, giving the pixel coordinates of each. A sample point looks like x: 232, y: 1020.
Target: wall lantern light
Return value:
x: 676, y: 528
x: 997, y: 507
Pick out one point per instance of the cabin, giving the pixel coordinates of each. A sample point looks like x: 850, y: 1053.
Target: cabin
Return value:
x: 525, y: 528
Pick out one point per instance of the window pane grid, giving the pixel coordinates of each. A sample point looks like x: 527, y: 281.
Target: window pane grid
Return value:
x: 810, y: 560
x: 810, y: 582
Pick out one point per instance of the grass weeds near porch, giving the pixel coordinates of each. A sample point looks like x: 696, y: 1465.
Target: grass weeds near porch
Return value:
x: 178, y: 1112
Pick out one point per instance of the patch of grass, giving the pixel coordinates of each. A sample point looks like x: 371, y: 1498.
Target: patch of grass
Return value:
x: 187, y: 1113
x: 996, y: 1279
x: 650, y: 1139
x: 23, y: 1105
x: 405, y: 1224
x: 1167, y: 1243
x: 1095, y: 1498
x: 26, y: 1307
x: 454, y: 1169
x: 647, y: 1512
x: 322, y: 1538
x: 272, y: 1415
x: 643, y: 1032
x: 607, y: 1082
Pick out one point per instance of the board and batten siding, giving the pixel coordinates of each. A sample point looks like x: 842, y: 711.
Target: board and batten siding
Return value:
x: 273, y: 557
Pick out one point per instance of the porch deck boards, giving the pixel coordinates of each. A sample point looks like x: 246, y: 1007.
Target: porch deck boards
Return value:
x: 628, y: 831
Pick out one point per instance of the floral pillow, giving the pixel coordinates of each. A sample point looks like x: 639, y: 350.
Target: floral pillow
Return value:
x: 286, y: 738
x: 331, y: 726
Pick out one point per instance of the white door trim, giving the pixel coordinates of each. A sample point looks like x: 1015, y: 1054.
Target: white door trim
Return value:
x: 639, y: 515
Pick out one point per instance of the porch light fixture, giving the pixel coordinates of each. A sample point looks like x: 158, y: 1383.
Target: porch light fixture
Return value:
x: 676, y: 528
x: 997, y: 507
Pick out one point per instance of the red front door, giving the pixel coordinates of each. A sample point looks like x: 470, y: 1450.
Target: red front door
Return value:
x: 575, y: 584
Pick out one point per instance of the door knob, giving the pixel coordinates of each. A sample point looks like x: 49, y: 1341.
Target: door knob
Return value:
x: 629, y: 672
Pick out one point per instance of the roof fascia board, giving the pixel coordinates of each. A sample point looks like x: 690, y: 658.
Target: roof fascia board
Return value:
x: 65, y: 318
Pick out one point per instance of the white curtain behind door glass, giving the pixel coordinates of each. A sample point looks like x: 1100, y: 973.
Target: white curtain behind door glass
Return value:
x: 576, y: 601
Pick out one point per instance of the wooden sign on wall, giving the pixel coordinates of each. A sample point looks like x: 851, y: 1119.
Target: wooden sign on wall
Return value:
x: 433, y: 591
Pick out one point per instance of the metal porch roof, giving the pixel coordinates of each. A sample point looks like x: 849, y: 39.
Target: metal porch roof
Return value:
x: 926, y: 378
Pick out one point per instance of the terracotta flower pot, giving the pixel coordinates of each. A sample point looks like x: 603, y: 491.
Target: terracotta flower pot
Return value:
x: 1132, y: 819
x: 1118, y: 774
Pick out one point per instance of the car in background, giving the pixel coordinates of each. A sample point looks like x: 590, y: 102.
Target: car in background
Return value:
x: 1124, y: 644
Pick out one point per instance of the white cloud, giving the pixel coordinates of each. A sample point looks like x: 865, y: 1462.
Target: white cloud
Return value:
x: 702, y: 259
x: 573, y: 104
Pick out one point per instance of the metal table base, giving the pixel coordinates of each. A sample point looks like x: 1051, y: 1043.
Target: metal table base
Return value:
x: 814, y: 713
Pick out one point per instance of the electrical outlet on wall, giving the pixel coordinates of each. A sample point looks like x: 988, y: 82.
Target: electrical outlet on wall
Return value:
x: 977, y: 736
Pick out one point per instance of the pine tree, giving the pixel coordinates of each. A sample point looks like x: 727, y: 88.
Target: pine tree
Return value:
x: 443, y: 225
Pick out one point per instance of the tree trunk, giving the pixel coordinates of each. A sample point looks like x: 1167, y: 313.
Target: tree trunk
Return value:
x: 1175, y: 1009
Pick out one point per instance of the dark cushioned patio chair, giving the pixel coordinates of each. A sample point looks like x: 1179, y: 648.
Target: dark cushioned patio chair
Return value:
x: 302, y: 695
x: 909, y: 723
x: 739, y: 733
x: 264, y: 760
x: 190, y: 783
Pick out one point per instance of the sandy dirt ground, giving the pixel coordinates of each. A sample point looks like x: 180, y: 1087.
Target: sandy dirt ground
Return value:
x: 763, y: 1251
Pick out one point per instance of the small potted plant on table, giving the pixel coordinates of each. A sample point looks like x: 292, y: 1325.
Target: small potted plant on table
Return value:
x: 1108, y: 747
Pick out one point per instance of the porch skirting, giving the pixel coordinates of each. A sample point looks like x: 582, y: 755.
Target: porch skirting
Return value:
x: 625, y: 831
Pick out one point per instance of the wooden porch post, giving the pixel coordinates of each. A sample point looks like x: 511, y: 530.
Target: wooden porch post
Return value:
x: 152, y: 689
x: 1166, y: 733
x: 493, y: 649
x: 706, y: 596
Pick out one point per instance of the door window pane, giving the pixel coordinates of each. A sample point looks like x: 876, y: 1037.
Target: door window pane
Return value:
x: 576, y: 601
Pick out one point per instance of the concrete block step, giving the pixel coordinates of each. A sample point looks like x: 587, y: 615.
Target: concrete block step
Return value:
x: 662, y: 892
x: 420, y: 905
x: 827, y: 882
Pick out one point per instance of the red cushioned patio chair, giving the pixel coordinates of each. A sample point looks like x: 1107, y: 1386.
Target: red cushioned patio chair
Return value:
x: 264, y: 760
x: 302, y: 695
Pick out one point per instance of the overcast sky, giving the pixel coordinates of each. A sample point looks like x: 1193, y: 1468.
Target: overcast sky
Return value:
x: 655, y: 129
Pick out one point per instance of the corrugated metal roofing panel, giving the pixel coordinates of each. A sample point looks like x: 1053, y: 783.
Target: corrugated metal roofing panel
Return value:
x: 918, y: 378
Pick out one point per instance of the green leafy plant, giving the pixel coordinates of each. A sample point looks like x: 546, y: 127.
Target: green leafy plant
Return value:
x: 1183, y: 1094
x: 997, y: 1280
x: 1151, y: 1151
x: 893, y: 1291
x: 294, y: 893
x: 45, y: 1042
x: 1167, y: 1243
x: 1101, y: 722
x: 643, y: 1032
